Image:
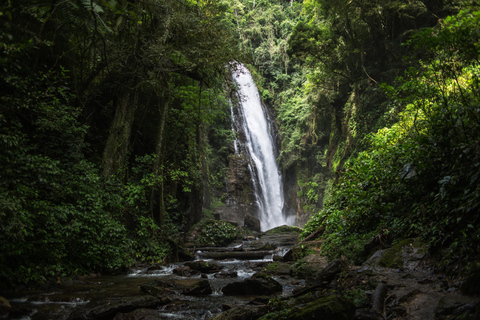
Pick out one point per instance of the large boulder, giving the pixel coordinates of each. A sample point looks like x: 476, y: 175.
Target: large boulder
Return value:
x: 258, y: 284
x: 278, y: 268
x: 252, y: 222
x: 198, y: 288
x: 329, y: 308
x: 190, y: 287
x: 330, y: 271
x: 406, y: 254
x: 246, y: 312
x: 310, y: 266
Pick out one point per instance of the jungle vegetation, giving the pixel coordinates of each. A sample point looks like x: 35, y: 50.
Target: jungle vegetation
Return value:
x: 115, y: 123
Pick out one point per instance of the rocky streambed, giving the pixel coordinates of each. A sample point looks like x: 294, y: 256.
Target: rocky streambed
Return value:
x: 271, y: 276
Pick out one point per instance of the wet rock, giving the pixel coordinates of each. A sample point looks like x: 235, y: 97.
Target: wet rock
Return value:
x: 252, y: 222
x: 204, y: 266
x: 258, y: 284
x: 107, y: 308
x: 139, y: 314
x: 156, y: 288
x: 278, y: 268
x: 192, y: 287
x: 246, y: 312
x: 185, y: 271
x: 198, y: 288
x: 226, y: 274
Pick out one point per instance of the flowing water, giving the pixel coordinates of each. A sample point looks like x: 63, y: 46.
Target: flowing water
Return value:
x: 266, y: 177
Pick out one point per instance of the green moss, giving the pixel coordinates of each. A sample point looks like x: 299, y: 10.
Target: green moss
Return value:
x: 392, y: 258
x: 272, y: 267
x: 285, y: 229
x: 329, y: 308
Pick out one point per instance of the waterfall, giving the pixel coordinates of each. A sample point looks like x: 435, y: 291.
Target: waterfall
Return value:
x: 266, y: 177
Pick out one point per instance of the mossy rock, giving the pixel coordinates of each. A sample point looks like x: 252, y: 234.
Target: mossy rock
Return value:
x: 302, y: 250
x: 278, y: 268
x: 245, y: 312
x: 285, y: 229
x: 403, y: 254
x: 329, y: 308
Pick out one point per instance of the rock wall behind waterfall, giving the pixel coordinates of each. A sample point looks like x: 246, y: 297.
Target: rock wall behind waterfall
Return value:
x: 242, y: 183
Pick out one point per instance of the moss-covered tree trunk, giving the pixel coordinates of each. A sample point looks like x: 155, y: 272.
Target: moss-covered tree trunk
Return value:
x: 117, y: 145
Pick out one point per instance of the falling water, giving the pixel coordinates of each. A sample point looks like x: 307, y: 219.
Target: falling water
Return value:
x: 267, y: 180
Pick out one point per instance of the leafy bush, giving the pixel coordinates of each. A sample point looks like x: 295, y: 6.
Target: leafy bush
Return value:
x: 216, y: 232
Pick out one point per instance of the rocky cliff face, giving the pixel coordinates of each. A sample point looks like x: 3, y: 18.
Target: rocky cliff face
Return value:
x: 240, y: 197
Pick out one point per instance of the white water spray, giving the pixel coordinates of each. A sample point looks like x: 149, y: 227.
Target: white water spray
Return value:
x: 268, y: 184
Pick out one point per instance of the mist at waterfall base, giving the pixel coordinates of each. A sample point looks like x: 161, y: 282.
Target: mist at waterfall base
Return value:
x: 266, y: 177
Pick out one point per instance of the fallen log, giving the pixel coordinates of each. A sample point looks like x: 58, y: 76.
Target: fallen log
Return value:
x: 240, y: 255
x: 378, y: 299
x: 314, y: 235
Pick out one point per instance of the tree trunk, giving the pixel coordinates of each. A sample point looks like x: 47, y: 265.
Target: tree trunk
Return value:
x: 196, y: 196
x: 158, y: 209
x: 116, y: 148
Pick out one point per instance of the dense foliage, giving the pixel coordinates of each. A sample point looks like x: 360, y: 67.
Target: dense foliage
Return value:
x: 115, y: 125
x: 216, y: 233
x: 107, y: 113
x: 377, y: 106
x: 419, y: 177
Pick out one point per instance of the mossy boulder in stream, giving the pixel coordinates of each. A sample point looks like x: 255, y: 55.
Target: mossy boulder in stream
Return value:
x: 285, y: 229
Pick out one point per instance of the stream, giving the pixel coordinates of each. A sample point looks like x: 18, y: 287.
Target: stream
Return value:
x: 73, y: 297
